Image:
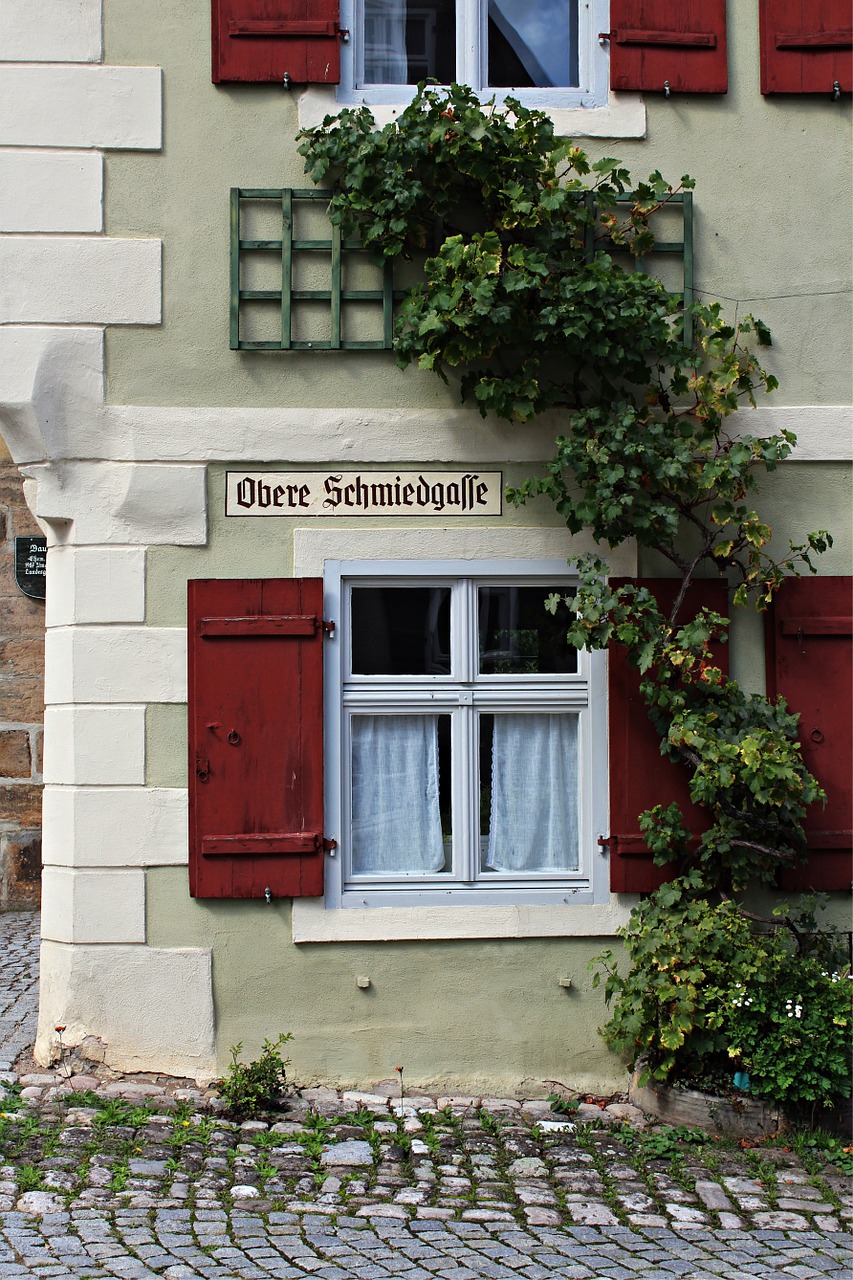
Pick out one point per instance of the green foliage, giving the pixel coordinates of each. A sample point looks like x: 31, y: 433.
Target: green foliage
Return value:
x: 117, y: 1111
x: 667, y: 1142
x: 816, y: 1147
x: 790, y: 1026
x: 706, y: 989
x: 30, y: 1178
x: 525, y: 293
x: 252, y: 1087
x: 519, y: 292
x: 563, y: 1106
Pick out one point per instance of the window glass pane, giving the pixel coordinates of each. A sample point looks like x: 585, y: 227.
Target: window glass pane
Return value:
x: 533, y: 44
x: 400, y: 631
x: 405, y: 43
x: 517, y: 634
x: 529, y: 793
x: 401, y: 821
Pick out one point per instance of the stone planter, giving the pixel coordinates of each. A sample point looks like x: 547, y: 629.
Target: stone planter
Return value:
x: 741, y: 1117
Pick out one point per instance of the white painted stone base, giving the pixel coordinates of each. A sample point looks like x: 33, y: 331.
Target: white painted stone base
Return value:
x: 152, y: 1008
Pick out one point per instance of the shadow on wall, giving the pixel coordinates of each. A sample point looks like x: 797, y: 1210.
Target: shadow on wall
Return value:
x: 21, y: 706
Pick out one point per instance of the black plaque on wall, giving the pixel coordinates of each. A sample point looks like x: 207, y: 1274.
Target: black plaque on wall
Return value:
x: 31, y: 566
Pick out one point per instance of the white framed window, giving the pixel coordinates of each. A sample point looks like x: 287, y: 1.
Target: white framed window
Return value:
x: 466, y: 742
x: 547, y: 54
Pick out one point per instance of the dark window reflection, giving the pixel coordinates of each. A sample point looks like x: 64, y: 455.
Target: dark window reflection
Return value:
x: 518, y: 636
x: 401, y: 631
x: 533, y: 45
x: 405, y: 43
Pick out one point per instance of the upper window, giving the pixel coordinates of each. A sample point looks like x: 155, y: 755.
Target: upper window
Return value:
x: 544, y: 53
x: 463, y: 739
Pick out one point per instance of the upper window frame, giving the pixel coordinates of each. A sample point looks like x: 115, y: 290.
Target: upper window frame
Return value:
x: 593, y: 62
x: 583, y: 691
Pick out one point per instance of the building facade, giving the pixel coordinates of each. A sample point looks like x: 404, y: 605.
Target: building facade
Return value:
x: 354, y: 569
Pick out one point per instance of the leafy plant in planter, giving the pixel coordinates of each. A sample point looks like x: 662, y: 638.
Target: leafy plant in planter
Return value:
x: 524, y: 298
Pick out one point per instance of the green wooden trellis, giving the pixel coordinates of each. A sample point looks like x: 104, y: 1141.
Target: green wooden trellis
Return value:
x: 341, y: 300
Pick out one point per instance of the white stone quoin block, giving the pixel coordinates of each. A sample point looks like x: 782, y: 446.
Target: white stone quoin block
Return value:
x: 106, y: 502
x: 93, y: 906
x: 51, y: 390
x: 51, y: 191
x: 50, y: 31
x: 115, y: 826
x: 95, y: 584
x: 79, y: 280
x: 151, y: 1007
x: 115, y: 664
x: 81, y: 106
x: 94, y: 746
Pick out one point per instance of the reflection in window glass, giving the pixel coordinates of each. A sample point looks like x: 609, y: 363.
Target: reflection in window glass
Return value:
x: 400, y: 631
x: 401, y: 821
x: 533, y: 45
x: 529, y: 793
x: 518, y: 636
x: 405, y: 43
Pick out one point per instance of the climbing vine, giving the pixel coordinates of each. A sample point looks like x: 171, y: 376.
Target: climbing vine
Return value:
x: 527, y: 301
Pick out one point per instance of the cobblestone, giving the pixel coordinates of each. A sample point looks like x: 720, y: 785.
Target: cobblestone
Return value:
x: 356, y: 1186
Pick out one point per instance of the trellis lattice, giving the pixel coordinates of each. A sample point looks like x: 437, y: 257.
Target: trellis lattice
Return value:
x: 298, y: 285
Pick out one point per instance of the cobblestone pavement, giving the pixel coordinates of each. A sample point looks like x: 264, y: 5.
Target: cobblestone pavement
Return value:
x: 142, y: 1176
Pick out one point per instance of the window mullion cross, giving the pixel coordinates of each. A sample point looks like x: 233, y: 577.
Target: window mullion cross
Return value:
x: 471, y: 34
x: 468, y: 822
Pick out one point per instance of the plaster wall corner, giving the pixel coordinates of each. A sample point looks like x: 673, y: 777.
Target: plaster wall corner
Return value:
x: 115, y: 664
x: 87, y: 585
x: 152, y: 1007
x: 59, y: 191
x: 80, y: 105
x: 94, y: 746
x: 50, y: 31
x: 108, y: 503
x: 79, y: 280
x: 93, y: 906
x: 115, y: 826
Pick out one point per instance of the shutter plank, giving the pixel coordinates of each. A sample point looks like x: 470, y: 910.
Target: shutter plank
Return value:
x: 640, y: 777
x: 679, y: 44
x: 809, y: 649
x: 806, y: 46
x: 256, y: 738
x: 264, y: 41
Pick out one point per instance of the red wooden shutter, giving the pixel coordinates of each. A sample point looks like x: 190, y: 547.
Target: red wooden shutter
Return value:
x: 806, y: 46
x: 809, y: 636
x: 276, y: 40
x: 640, y: 777
x: 679, y: 44
x: 256, y: 738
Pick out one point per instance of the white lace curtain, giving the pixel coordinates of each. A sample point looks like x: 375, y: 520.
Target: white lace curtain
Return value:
x: 385, y: 60
x: 533, y: 820
x: 396, y: 821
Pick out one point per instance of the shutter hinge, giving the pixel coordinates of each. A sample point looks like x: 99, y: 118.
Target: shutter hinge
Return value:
x: 329, y: 846
x: 328, y: 628
x: 608, y: 842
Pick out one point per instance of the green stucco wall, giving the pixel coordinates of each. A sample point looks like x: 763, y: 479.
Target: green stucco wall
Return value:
x: 769, y: 237
x: 490, y: 1014
x: 784, y: 255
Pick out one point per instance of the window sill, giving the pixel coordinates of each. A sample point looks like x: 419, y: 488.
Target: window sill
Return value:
x: 624, y: 116
x: 313, y: 922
